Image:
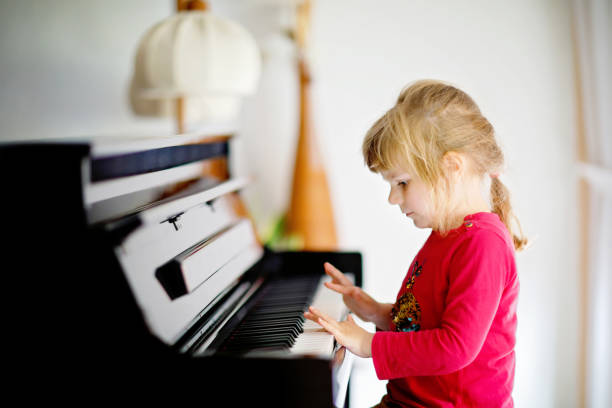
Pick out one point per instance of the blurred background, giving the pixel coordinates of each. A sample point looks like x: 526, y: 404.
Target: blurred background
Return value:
x: 539, y: 70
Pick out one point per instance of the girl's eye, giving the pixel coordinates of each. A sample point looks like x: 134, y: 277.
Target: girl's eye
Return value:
x: 402, y: 183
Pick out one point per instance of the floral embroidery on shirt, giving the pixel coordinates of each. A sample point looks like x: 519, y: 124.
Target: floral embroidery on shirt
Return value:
x: 406, y: 313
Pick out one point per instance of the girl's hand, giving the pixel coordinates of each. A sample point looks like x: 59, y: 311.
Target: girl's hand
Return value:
x: 358, y: 301
x: 347, y: 333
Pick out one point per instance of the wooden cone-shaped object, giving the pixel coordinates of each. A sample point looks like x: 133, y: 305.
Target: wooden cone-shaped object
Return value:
x: 310, y: 215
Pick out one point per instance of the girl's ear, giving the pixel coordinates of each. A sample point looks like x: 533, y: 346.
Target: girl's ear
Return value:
x: 453, y: 163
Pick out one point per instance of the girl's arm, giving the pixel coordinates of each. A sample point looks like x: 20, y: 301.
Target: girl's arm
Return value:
x: 383, y: 320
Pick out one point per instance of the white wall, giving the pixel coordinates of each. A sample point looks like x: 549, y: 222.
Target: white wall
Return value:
x: 66, y: 66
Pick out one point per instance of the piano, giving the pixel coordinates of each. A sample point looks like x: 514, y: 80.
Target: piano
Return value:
x: 132, y: 264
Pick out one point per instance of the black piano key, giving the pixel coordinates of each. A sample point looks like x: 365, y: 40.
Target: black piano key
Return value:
x: 246, y: 349
x: 250, y: 339
x: 271, y: 315
x: 261, y: 342
x: 283, y: 306
x: 277, y: 318
x: 272, y: 327
x: 247, y: 337
x: 241, y: 332
x: 263, y: 332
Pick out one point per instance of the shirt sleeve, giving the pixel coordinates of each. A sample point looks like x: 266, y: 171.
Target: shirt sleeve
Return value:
x: 477, y: 278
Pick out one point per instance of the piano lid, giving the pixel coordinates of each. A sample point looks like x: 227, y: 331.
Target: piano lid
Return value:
x: 122, y: 176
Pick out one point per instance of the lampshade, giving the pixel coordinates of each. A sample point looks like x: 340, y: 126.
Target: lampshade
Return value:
x: 210, y: 61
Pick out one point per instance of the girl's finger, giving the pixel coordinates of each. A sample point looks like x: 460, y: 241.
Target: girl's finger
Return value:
x: 314, y: 313
x: 310, y: 316
x: 336, y: 274
x: 345, y: 290
x: 322, y: 315
x: 315, y: 319
x: 330, y: 328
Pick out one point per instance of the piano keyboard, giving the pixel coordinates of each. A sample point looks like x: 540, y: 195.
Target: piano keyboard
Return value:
x: 276, y: 322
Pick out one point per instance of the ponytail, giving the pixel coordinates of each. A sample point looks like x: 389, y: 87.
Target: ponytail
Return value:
x: 500, y: 199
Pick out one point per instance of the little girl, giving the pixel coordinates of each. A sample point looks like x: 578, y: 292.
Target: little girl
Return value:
x: 448, y: 340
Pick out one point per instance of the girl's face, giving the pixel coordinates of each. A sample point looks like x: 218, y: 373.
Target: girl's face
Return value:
x: 411, y: 195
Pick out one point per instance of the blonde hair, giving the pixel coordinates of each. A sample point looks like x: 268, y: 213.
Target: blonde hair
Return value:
x: 430, y: 119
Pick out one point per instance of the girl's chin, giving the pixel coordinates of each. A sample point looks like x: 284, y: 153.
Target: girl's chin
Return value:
x: 420, y: 223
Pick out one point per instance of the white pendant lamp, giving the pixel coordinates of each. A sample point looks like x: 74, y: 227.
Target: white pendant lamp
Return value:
x: 194, y: 65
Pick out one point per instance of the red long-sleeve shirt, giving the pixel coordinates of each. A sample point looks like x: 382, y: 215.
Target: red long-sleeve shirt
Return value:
x: 454, y: 322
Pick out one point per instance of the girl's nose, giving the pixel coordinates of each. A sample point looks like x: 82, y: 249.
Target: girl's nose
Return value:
x: 394, y: 197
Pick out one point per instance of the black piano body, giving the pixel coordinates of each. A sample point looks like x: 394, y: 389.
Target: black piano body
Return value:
x: 76, y: 319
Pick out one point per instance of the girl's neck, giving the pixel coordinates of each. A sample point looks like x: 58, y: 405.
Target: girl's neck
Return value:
x: 468, y: 200
x: 459, y: 215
